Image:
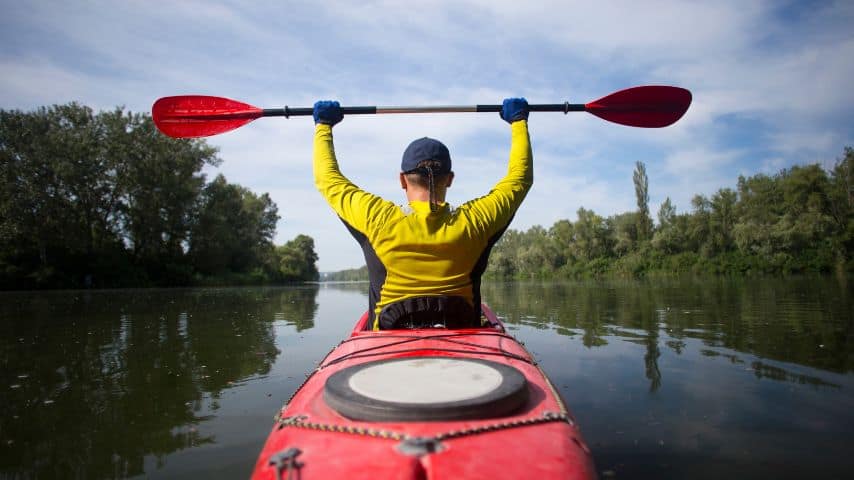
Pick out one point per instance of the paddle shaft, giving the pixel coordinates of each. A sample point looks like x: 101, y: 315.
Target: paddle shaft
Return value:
x: 295, y: 112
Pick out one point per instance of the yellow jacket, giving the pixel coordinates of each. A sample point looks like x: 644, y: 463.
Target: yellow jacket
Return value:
x: 413, y: 252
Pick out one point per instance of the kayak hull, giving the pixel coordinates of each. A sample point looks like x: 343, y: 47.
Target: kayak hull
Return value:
x: 539, y: 439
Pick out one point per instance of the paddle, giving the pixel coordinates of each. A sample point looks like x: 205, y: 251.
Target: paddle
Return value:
x: 189, y: 116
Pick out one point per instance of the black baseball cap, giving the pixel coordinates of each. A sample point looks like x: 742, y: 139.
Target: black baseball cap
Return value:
x: 426, y: 149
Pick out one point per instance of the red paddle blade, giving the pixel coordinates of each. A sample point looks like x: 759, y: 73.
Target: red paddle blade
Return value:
x: 191, y: 116
x: 649, y: 106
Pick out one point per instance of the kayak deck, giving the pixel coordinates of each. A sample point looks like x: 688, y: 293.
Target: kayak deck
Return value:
x: 538, y: 439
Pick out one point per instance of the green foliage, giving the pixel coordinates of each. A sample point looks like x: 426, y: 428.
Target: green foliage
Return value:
x: 666, y: 213
x: 103, y: 199
x: 350, y: 275
x: 642, y: 220
x: 625, y: 229
x: 233, y: 229
x: 799, y: 220
x: 296, y: 259
x: 591, y: 236
x: 722, y: 219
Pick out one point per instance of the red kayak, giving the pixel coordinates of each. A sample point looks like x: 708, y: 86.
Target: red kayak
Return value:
x: 426, y: 404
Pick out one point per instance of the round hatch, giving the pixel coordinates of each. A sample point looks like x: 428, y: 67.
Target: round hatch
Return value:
x: 426, y: 389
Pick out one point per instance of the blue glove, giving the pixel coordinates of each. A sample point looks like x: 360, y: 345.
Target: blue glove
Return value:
x: 514, y: 109
x: 328, y: 112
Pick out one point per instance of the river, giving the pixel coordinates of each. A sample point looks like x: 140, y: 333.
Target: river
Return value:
x: 668, y: 378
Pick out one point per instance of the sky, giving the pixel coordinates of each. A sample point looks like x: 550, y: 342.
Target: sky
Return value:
x: 772, y: 83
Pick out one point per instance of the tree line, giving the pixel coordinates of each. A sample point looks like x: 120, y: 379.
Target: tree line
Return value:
x: 104, y: 200
x: 349, y: 275
x: 798, y: 220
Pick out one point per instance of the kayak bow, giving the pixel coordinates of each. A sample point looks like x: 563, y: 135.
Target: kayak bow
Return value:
x: 426, y: 404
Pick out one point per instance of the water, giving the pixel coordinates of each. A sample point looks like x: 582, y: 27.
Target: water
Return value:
x: 674, y: 378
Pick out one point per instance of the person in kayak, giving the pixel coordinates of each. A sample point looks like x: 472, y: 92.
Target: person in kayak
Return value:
x: 425, y: 259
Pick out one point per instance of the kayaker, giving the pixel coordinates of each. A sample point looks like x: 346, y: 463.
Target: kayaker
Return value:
x: 425, y: 259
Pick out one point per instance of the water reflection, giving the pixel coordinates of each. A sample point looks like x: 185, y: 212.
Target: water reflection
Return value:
x: 807, y: 321
x: 698, y: 378
x: 670, y: 378
x: 93, y: 382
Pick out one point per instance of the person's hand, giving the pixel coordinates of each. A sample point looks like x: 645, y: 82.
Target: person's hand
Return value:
x: 514, y: 109
x: 328, y: 112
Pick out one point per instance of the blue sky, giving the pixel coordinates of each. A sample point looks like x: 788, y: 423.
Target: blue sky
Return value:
x: 772, y: 84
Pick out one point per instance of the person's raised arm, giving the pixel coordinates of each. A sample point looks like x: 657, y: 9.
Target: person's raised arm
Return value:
x: 520, y: 169
x: 495, y: 210
x: 355, y: 206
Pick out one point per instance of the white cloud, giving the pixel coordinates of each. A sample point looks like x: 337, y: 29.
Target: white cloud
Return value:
x: 35, y: 82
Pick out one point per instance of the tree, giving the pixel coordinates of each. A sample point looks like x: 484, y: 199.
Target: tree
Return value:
x: 672, y: 237
x: 789, y: 220
x: 666, y: 214
x: 538, y: 255
x: 841, y: 203
x: 160, y: 183
x: 759, y: 208
x: 234, y: 229
x: 503, y: 259
x: 590, y: 239
x: 297, y: 259
x: 698, y: 228
x: 805, y: 193
x: 644, y: 222
x: 722, y: 219
x: 37, y: 210
x: 104, y: 199
x: 624, y: 229
x: 82, y: 186
x: 562, y: 234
